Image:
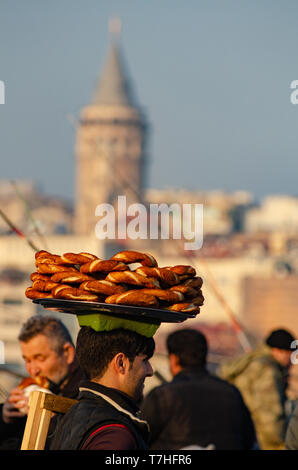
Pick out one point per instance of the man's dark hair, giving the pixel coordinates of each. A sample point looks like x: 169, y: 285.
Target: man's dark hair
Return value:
x: 96, y: 349
x: 51, y: 327
x: 190, y: 346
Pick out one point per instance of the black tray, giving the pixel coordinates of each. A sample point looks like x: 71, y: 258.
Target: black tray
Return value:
x: 145, y: 315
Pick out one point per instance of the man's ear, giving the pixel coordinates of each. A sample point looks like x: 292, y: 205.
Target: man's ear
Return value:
x: 175, y: 366
x: 121, y: 363
x: 174, y: 360
x: 69, y: 352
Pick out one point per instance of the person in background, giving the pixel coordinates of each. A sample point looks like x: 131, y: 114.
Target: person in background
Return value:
x: 196, y: 408
x: 50, y: 359
x: 261, y: 376
x: 106, y: 416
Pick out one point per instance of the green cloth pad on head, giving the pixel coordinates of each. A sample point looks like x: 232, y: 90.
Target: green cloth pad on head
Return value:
x: 100, y: 322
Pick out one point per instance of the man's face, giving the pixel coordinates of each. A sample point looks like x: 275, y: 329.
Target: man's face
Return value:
x: 41, y: 360
x: 282, y: 356
x: 139, y: 370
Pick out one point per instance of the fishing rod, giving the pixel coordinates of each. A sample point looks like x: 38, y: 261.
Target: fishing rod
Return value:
x: 17, y: 231
x: 29, y: 213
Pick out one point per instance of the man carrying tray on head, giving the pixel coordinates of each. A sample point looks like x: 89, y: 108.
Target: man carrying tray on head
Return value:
x: 106, y: 415
x: 115, y: 342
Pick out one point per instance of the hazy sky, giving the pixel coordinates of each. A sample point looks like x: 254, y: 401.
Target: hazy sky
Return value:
x: 213, y: 76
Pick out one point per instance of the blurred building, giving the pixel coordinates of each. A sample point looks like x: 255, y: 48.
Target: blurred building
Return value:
x: 47, y: 214
x: 277, y: 213
x: 270, y: 303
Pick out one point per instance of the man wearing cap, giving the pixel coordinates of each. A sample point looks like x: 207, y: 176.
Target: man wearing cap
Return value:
x: 106, y: 416
x: 261, y: 377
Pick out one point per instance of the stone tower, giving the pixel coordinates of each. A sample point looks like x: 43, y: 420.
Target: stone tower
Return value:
x: 110, y: 146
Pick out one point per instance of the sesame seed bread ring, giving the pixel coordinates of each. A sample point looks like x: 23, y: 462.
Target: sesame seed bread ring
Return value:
x: 49, y: 259
x: 42, y: 253
x: 165, y: 275
x: 103, y: 266
x: 195, y: 282
x: 53, y: 268
x: 89, y: 255
x: 199, y: 300
x: 59, y: 288
x: 70, y: 277
x: 103, y: 287
x: 185, y: 290
x: 135, y: 257
x: 134, y: 298
x: 36, y: 294
x: 38, y: 380
x: 80, y: 258
x: 184, y: 307
x: 164, y: 294
x: 71, y: 293
x: 183, y: 270
x: 128, y: 277
x: 39, y: 277
x: 44, y: 286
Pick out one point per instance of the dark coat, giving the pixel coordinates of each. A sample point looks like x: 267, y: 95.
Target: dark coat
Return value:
x: 197, y: 408
x: 98, y: 406
x: 292, y: 430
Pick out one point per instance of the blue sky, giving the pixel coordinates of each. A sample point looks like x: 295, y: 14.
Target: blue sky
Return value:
x: 213, y: 77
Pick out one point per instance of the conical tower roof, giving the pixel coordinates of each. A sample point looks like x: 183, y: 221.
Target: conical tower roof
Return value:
x: 114, y: 85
